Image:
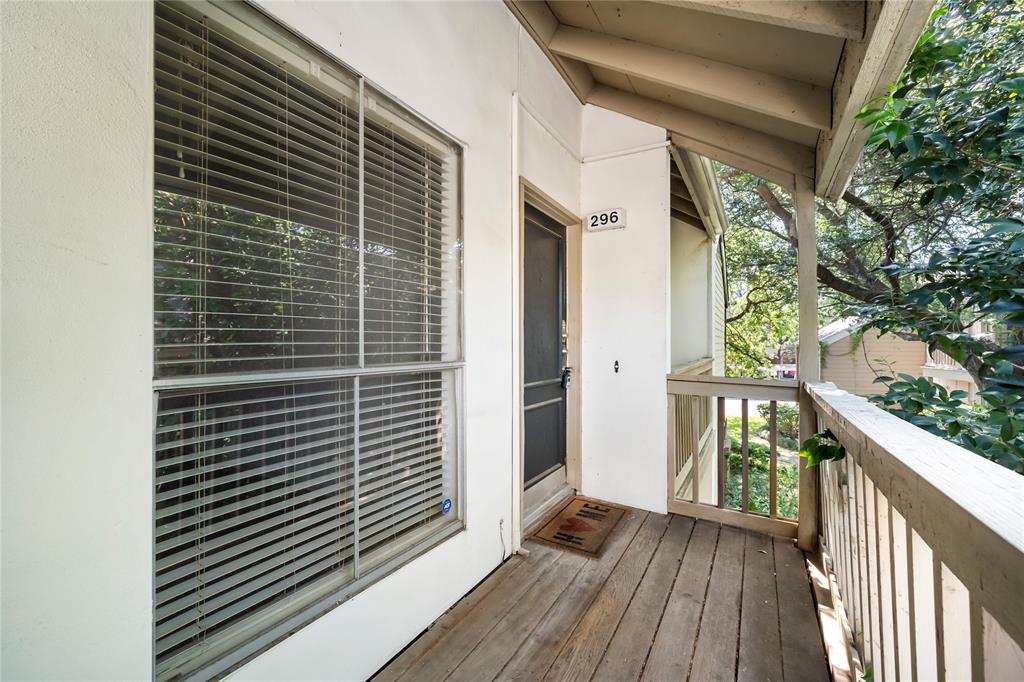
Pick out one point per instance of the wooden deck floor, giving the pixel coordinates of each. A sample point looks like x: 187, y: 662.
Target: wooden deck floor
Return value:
x: 670, y: 599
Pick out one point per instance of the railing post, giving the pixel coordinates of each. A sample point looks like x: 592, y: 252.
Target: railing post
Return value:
x: 808, y: 361
x: 671, y: 447
x: 807, y: 519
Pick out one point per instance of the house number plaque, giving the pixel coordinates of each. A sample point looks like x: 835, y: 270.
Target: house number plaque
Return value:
x: 611, y: 219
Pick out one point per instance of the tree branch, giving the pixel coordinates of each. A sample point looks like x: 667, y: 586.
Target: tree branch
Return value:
x: 888, y: 230
x: 830, y: 279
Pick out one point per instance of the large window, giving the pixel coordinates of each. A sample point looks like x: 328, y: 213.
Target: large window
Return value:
x: 307, y: 335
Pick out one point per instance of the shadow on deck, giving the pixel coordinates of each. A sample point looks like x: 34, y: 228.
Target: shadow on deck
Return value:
x: 671, y: 598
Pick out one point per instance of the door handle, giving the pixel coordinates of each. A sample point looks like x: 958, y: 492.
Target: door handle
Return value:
x: 566, y: 377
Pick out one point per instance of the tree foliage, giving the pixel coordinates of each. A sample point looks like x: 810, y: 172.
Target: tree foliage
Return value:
x: 954, y: 126
x: 927, y: 239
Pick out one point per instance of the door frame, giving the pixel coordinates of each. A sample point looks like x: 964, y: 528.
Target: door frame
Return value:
x: 528, y: 192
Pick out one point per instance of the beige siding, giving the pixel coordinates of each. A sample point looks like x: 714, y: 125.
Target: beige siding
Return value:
x: 854, y: 366
x: 717, y: 309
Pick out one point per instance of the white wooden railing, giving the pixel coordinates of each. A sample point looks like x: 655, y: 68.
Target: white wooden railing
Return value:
x: 938, y: 358
x: 698, y: 467
x: 925, y: 548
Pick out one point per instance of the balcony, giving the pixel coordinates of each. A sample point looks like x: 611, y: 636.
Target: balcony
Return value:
x: 913, y: 569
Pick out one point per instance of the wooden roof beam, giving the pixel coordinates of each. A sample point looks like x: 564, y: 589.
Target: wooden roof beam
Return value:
x: 685, y: 207
x: 781, y: 98
x: 749, y: 150
x: 685, y: 219
x: 843, y: 19
x: 866, y: 68
x: 679, y: 188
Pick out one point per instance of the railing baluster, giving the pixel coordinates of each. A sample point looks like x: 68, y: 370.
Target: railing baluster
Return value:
x: 773, y: 476
x: 874, y: 605
x: 912, y: 609
x: 864, y: 564
x: 887, y: 610
x: 900, y: 573
x: 926, y: 640
x: 695, y: 447
x: 956, y: 611
x: 746, y: 459
x: 673, y: 428
x: 723, y: 469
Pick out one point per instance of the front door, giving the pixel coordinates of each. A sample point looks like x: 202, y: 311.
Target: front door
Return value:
x: 544, y: 347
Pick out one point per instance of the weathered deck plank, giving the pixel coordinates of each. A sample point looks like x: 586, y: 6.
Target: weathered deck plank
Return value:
x: 464, y: 635
x: 510, y: 571
x: 582, y: 652
x: 533, y: 658
x: 628, y: 648
x: 803, y: 654
x: 760, y: 651
x: 672, y: 650
x: 670, y: 599
x: 493, y: 652
x: 714, y: 658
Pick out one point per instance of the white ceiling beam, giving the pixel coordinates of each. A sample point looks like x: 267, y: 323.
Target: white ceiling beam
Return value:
x: 541, y: 23
x: 749, y: 150
x: 842, y: 19
x: 781, y: 98
x: 865, y: 71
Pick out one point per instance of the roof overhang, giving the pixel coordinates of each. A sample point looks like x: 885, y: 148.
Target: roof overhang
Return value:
x: 694, y: 194
x: 771, y: 87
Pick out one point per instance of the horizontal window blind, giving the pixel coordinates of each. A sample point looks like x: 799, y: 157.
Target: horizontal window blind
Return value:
x: 307, y: 236
x: 256, y: 208
x: 406, y: 238
x: 254, y: 501
x: 404, y: 476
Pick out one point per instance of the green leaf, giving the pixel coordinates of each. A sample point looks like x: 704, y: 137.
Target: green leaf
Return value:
x: 1014, y: 85
x: 896, y: 130
x: 1005, y: 225
x: 914, y: 144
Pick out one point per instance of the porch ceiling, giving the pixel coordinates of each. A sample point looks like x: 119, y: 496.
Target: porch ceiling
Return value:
x: 768, y: 86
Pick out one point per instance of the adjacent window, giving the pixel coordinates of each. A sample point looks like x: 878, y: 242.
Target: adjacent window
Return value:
x: 307, y: 335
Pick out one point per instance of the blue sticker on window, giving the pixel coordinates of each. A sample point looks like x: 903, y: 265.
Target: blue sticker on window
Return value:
x: 446, y: 506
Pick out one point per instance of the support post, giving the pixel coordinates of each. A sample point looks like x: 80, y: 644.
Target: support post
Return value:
x: 808, y: 360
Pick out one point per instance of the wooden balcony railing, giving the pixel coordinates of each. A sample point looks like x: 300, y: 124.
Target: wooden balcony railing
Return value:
x: 698, y: 450
x: 937, y: 358
x: 925, y: 545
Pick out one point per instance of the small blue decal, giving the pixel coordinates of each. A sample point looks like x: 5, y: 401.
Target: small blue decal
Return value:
x: 446, y: 506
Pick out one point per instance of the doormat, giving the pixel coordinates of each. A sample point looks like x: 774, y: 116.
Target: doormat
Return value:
x: 581, y: 525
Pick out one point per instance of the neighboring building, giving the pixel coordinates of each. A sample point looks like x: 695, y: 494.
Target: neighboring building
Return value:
x: 853, y: 359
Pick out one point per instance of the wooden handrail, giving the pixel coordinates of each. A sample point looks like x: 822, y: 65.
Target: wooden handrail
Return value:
x: 925, y: 539
x: 733, y: 387
x: 699, y: 366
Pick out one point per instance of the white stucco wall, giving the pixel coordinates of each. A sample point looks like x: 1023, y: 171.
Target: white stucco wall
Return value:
x: 76, y: 396
x: 77, y: 318
x: 625, y: 312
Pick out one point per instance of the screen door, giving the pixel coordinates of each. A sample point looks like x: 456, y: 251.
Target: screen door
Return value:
x: 544, y: 345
